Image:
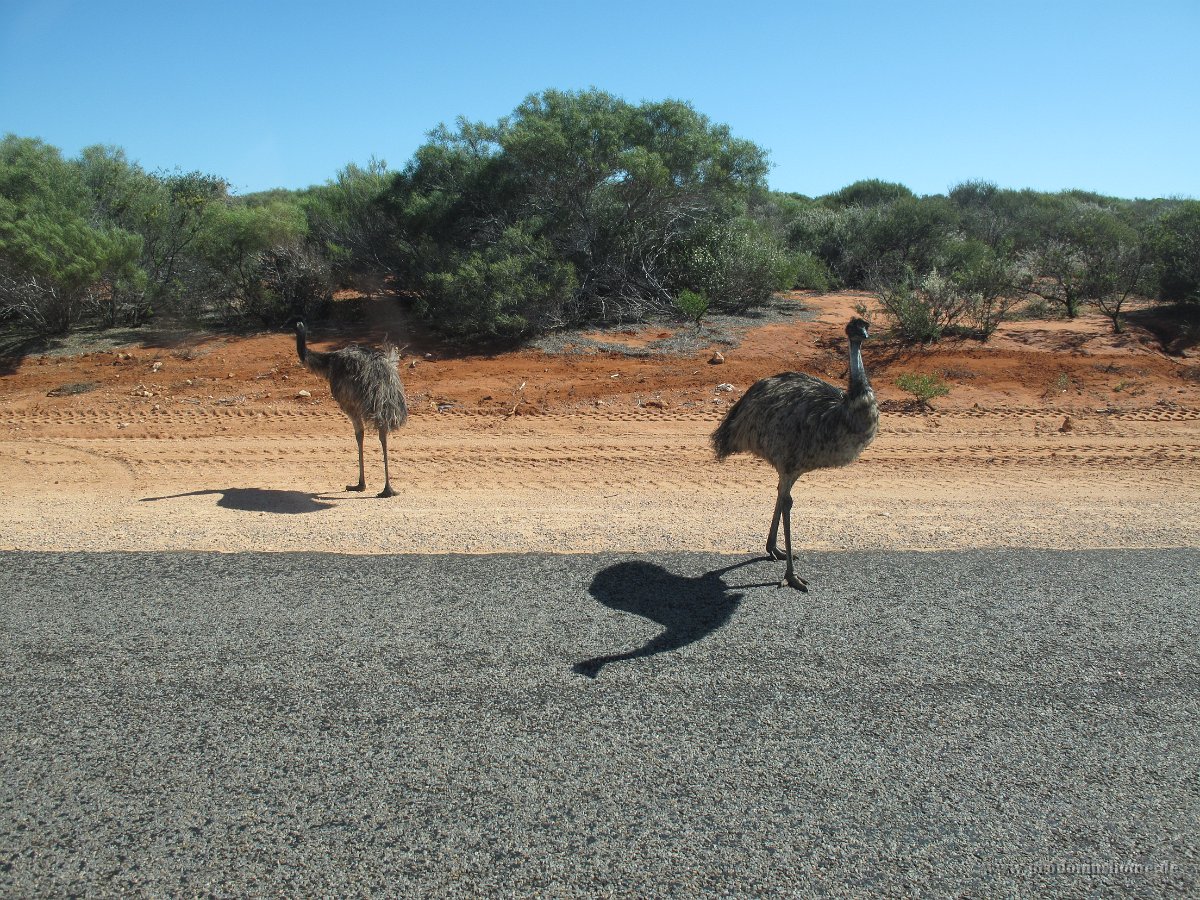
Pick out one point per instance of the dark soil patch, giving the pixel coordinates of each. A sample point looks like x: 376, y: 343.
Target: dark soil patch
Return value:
x: 75, y: 387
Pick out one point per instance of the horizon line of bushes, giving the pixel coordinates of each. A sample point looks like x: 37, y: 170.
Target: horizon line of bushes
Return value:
x: 578, y: 208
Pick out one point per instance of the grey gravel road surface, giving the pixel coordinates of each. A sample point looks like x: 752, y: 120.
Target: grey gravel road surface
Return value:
x: 925, y: 724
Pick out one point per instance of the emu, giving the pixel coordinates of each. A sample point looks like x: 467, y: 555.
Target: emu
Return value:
x: 366, y: 385
x: 799, y: 423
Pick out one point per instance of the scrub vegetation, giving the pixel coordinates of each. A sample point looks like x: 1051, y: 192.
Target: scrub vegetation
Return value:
x: 579, y: 208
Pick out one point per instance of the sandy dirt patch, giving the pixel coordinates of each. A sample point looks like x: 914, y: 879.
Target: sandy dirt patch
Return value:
x: 1054, y: 435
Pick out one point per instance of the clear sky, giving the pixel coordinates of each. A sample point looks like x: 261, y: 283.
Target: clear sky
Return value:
x: 1097, y: 95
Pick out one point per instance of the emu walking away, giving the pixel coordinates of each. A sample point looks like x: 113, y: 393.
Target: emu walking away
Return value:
x: 366, y: 385
x: 799, y: 423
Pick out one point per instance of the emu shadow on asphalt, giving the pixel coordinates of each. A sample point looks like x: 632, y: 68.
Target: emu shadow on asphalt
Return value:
x: 689, y: 609
x: 259, y: 500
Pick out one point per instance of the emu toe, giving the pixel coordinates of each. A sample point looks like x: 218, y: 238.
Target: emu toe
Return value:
x: 361, y: 486
x: 777, y: 554
x: 386, y: 492
x: 791, y: 579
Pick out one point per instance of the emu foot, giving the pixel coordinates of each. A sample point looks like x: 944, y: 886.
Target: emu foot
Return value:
x: 777, y: 554
x: 386, y: 492
x: 361, y: 486
x: 791, y: 579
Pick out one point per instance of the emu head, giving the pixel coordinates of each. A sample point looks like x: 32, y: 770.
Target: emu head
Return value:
x: 858, y: 329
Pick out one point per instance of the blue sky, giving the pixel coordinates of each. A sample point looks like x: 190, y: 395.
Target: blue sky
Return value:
x: 1049, y: 95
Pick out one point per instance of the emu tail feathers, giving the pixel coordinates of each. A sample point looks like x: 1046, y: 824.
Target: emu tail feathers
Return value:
x: 722, y: 439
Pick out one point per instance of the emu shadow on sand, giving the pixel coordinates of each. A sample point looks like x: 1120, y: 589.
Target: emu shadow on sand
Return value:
x: 689, y: 609
x: 258, y: 500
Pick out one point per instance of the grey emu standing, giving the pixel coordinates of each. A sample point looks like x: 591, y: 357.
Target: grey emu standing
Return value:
x: 799, y: 423
x: 366, y: 385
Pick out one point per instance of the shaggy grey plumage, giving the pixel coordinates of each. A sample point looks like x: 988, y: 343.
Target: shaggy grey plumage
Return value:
x: 366, y: 385
x: 799, y: 423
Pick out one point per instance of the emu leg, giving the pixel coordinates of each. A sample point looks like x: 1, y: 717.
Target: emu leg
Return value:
x: 362, y: 475
x: 790, y: 578
x: 784, y: 491
x: 387, y: 480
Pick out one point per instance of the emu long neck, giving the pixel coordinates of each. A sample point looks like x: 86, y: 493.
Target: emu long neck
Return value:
x: 301, y: 346
x: 858, y: 375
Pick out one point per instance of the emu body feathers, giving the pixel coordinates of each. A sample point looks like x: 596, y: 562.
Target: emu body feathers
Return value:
x: 366, y: 385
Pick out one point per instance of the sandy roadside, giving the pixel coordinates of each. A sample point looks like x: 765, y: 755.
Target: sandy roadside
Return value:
x: 594, y: 483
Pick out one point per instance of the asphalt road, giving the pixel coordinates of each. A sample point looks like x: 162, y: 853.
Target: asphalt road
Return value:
x: 992, y: 722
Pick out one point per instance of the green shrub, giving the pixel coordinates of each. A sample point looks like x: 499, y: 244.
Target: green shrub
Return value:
x: 347, y: 219
x: 811, y: 274
x: 692, y: 305
x: 868, y: 192
x: 294, y: 283
x: 859, y: 242
x: 923, y: 387
x: 1176, y: 247
x: 991, y: 284
x: 737, y: 265
x: 56, y: 261
x: 921, y: 308
x: 504, y: 293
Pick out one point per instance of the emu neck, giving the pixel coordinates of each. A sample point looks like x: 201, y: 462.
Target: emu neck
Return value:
x: 858, y: 375
x: 301, y: 347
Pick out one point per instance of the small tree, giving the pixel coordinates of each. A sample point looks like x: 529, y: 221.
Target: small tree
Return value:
x: 736, y: 264
x: 296, y: 281
x: 1175, y: 245
x: 1076, y: 262
x: 1123, y: 275
x: 868, y: 192
x: 347, y: 219
x: 857, y: 242
x: 1059, y: 275
x: 259, y: 269
x: 630, y: 203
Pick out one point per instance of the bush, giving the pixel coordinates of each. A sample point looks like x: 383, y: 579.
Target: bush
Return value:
x: 737, y: 266
x: 56, y: 262
x: 505, y: 292
x: 923, y: 387
x: 257, y: 267
x: 858, y: 243
x: 811, y: 274
x: 346, y: 218
x: 692, y: 305
x: 296, y: 283
x: 921, y: 308
x: 821, y: 234
x: 57, y: 268
x: 869, y: 192
x: 991, y: 285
